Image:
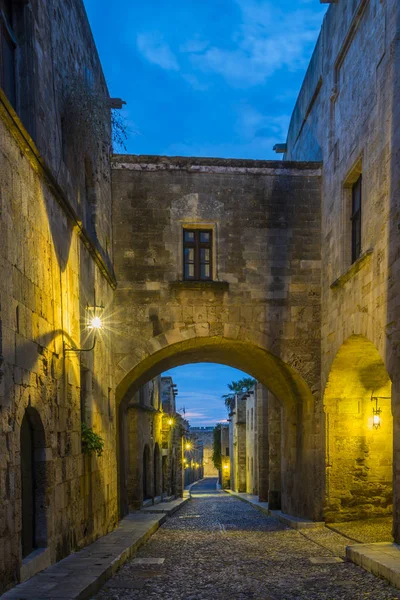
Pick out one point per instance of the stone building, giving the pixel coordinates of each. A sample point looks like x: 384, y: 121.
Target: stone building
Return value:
x: 175, y: 432
x: 287, y: 270
x: 193, y: 457
x: 251, y: 442
x: 237, y: 444
x: 243, y: 452
x: 347, y: 115
x: 225, y: 476
x: 146, y: 464
x: 218, y: 260
x: 206, y: 436
x: 56, y: 266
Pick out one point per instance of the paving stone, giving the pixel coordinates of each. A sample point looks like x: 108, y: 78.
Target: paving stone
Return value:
x: 256, y: 558
x: 148, y: 561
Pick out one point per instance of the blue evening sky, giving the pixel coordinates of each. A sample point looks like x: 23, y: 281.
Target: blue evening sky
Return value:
x: 200, y: 390
x: 205, y: 78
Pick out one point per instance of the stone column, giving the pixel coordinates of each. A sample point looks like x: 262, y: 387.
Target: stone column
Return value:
x: 262, y: 442
x: 274, y: 439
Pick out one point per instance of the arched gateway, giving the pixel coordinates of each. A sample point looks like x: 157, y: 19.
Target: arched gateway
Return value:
x: 219, y: 261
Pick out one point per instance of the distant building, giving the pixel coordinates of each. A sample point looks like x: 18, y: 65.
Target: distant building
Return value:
x: 206, y: 436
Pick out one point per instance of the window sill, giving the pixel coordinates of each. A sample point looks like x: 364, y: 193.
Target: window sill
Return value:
x: 363, y: 260
x: 214, y: 286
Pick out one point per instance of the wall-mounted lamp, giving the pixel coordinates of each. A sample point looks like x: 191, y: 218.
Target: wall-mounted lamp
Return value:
x: 94, y: 322
x: 170, y: 422
x: 188, y: 446
x: 376, y: 410
x: 376, y: 413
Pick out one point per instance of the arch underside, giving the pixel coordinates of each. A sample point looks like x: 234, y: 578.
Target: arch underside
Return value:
x: 359, y: 456
x: 283, y: 381
x: 302, y: 463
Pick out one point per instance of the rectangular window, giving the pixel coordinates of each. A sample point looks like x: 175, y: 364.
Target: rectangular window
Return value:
x: 8, y: 44
x: 197, y: 254
x: 356, y: 219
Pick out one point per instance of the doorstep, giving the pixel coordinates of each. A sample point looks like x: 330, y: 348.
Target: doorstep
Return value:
x: 382, y: 559
x: 81, y: 574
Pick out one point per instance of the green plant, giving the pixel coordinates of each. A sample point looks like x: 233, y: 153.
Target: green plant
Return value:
x: 237, y: 387
x: 216, y: 457
x: 91, y: 441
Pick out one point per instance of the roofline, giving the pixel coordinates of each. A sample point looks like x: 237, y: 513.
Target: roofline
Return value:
x: 145, y: 162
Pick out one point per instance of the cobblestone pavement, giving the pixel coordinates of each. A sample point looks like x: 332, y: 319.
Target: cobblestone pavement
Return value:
x: 219, y: 548
x: 368, y: 531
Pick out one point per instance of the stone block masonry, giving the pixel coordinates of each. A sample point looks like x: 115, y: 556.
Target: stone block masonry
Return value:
x: 262, y: 296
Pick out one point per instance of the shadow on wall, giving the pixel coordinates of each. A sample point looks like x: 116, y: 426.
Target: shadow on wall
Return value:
x: 359, y: 454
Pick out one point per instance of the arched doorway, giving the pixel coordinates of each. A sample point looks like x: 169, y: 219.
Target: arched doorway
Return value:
x: 33, y: 483
x: 301, y: 461
x: 157, y: 471
x: 147, y: 492
x: 359, y: 434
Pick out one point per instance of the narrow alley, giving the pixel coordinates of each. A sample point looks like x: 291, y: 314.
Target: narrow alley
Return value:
x: 218, y: 547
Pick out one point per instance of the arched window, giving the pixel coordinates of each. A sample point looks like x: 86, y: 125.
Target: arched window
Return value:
x: 33, y: 483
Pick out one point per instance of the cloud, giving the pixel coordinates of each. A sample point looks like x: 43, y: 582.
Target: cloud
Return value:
x: 195, y: 83
x: 194, y: 45
x: 156, y: 51
x: 266, y: 41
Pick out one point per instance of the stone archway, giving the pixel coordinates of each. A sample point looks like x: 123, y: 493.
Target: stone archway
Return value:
x: 359, y: 456
x: 302, y: 481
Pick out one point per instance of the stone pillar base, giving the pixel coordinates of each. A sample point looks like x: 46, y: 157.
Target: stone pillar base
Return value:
x: 274, y: 500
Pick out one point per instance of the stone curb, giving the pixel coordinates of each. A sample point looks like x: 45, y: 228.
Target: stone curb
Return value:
x: 163, y: 508
x: 289, y: 520
x: 381, y: 559
x: 189, y: 487
x: 81, y: 575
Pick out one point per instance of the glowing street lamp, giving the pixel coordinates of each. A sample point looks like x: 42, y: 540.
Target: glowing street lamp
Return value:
x: 376, y: 411
x: 94, y: 322
x: 188, y: 446
x: 170, y: 422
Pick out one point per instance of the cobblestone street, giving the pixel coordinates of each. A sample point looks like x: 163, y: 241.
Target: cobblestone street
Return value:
x: 218, y: 547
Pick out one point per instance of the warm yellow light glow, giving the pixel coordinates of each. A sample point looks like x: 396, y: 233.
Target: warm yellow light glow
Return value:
x: 96, y: 323
x: 376, y: 421
x: 188, y: 446
x: 226, y: 466
x: 170, y: 422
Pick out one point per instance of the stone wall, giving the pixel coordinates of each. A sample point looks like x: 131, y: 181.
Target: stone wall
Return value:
x: 251, y: 443
x: 206, y: 435
x: 261, y: 310
x: 347, y: 114
x: 52, y: 267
